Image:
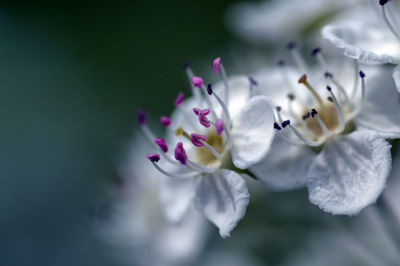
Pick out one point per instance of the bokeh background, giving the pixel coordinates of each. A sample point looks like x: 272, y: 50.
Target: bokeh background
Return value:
x: 72, y: 77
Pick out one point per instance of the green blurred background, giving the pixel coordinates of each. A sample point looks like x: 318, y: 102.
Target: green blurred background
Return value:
x: 72, y: 77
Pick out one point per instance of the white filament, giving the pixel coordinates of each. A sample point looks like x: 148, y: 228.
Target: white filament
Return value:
x: 339, y: 112
x: 188, y: 175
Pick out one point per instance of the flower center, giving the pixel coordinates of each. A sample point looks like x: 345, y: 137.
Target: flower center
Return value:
x: 203, y: 155
x: 328, y: 115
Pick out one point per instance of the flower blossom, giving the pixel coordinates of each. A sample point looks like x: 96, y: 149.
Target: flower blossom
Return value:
x: 372, y: 38
x: 214, y: 136
x: 136, y: 226
x: 332, y: 123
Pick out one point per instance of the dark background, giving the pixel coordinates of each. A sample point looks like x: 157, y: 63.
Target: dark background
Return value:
x: 72, y: 77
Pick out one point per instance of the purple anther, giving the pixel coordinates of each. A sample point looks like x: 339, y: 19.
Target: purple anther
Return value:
x: 276, y: 126
x: 313, y: 112
x: 219, y: 126
x: 180, y: 153
x: 281, y: 62
x: 165, y: 121
x: 179, y: 99
x: 253, y: 81
x: 154, y: 157
x: 197, y: 139
x: 197, y: 82
x: 198, y: 111
x: 285, y: 123
x: 204, y: 121
x: 161, y: 143
x: 209, y: 89
x: 216, y: 65
x: 142, y: 117
x: 291, y: 45
x: 315, y: 51
x: 329, y: 88
x: 306, y: 116
x: 362, y: 74
x: 383, y: 2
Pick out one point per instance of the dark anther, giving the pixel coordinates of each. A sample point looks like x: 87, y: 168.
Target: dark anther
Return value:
x: 276, y: 126
x: 315, y: 51
x: 278, y: 108
x: 362, y: 74
x: 328, y: 75
x: 313, y: 112
x: 209, y: 89
x: 291, y: 96
x: 281, y: 62
x: 253, y: 81
x: 307, y: 115
x: 328, y: 88
x: 291, y: 45
x: 330, y: 99
x: 285, y: 123
x: 382, y: 2
x: 186, y: 65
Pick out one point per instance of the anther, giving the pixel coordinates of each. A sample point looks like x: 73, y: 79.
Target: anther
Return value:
x: 154, y: 157
x: 285, y: 123
x: 383, y: 2
x: 362, y: 74
x: 276, y: 126
x: 291, y: 96
x: 209, y: 89
x: 197, y: 82
x: 313, y: 112
x: 303, y: 80
x: 180, y: 153
x: 179, y: 99
x: 278, y: 108
x: 328, y: 75
x: 181, y: 132
x: 291, y: 45
x: 165, y: 121
x: 315, y: 51
x: 329, y: 98
x: 202, y: 116
x: 219, y: 126
x: 186, y: 65
x: 281, y: 62
x: 306, y: 116
x: 253, y: 82
x: 161, y: 143
x: 216, y: 65
x: 197, y: 139
x: 142, y: 117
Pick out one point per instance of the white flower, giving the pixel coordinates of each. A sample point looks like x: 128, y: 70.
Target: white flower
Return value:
x: 215, y: 137
x: 373, y: 37
x: 137, y: 226
x: 271, y: 21
x: 334, y: 146
x: 369, y: 239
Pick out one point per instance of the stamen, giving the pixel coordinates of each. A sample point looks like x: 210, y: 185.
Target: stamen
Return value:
x: 179, y: 99
x: 154, y: 157
x: 385, y: 18
x: 202, y: 114
x: 180, y: 153
x: 306, y: 116
x: 357, y: 110
x: 209, y: 89
x: 338, y: 85
x: 307, y: 141
x: 224, y: 108
x: 219, y: 126
x: 161, y: 143
x: 292, y: 46
x: 320, y: 122
x: 303, y: 80
x: 197, y: 82
x: 276, y: 126
x: 338, y: 110
x: 197, y: 139
x: 165, y: 121
x: 142, y: 117
x: 181, y: 132
x: 190, y: 75
x: 218, y: 66
x: 253, y: 83
x: 285, y: 123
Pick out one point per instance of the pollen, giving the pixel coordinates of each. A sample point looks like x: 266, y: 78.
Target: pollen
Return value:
x: 204, y: 156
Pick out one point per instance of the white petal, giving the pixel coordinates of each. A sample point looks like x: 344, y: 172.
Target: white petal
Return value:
x: 285, y: 167
x: 252, y: 132
x: 363, y: 42
x: 223, y: 198
x: 177, y: 196
x: 350, y: 173
x: 396, y: 77
x: 380, y: 111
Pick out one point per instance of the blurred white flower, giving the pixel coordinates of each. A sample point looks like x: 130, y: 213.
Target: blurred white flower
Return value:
x: 332, y: 131
x: 372, y: 37
x: 277, y: 20
x: 216, y: 139
x: 369, y: 239
x: 137, y: 226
